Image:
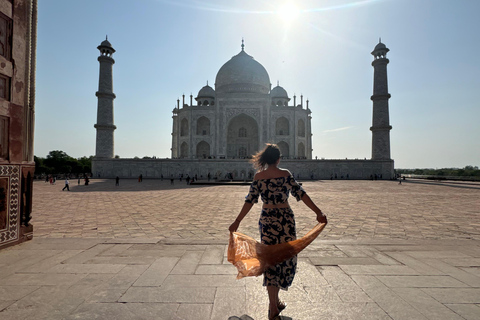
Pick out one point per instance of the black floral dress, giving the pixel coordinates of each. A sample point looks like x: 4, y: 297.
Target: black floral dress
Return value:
x: 277, y: 225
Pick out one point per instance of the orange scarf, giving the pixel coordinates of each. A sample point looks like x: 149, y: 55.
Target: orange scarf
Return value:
x: 252, y: 258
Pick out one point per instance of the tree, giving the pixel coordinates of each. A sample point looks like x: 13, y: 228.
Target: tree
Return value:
x: 59, y: 162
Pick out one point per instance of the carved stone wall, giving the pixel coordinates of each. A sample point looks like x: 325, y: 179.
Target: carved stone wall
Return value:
x: 17, y: 113
x: 9, y: 204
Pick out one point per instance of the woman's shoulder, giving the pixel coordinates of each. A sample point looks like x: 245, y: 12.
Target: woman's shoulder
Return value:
x: 259, y: 176
x: 285, y: 172
x: 279, y: 173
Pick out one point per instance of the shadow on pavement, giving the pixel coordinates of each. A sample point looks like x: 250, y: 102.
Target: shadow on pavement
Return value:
x: 246, y: 317
x: 108, y: 185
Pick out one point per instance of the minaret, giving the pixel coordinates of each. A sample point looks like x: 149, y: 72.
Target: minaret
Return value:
x: 105, y: 126
x: 380, y: 123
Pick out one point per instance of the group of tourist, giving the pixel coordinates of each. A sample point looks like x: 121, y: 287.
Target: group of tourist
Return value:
x: 52, y: 179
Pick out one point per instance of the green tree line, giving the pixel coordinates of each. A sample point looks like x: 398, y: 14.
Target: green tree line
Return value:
x: 467, y: 171
x: 58, y: 162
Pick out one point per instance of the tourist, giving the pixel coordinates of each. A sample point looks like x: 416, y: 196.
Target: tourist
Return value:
x: 277, y: 223
x: 117, y: 181
x: 66, y: 184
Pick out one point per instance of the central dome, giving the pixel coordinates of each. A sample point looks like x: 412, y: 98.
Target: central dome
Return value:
x: 242, y: 74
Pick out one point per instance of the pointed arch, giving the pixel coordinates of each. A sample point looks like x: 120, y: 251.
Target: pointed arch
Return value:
x: 203, y: 150
x: 282, y: 126
x: 238, y: 138
x: 203, y: 126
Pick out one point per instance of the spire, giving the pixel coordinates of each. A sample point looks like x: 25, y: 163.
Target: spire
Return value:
x: 106, y: 37
x: 243, y: 45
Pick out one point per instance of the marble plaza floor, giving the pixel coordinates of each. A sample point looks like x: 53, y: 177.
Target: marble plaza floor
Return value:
x: 153, y: 250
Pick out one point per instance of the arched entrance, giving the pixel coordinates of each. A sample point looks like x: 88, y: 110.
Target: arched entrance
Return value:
x: 301, y: 150
x: 203, y: 150
x: 242, y: 136
x: 203, y: 126
x: 282, y: 127
x: 284, y: 149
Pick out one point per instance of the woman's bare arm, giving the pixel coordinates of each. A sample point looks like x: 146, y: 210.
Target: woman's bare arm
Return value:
x: 321, y: 217
x: 245, y: 209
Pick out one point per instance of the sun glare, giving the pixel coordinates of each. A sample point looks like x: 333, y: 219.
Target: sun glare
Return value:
x: 288, y: 12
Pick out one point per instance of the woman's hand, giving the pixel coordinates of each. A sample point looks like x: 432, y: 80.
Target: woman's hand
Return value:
x: 322, y: 218
x: 234, y: 226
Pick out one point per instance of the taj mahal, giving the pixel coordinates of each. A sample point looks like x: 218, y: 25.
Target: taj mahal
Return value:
x: 216, y: 134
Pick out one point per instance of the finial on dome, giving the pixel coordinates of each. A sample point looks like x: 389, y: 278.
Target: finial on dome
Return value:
x: 278, y: 83
x: 207, y: 82
x: 243, y: 46
x: 379, y: 39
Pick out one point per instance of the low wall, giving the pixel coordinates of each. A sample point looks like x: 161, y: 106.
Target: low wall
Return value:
x: 434, y: 177
x: 240, y: 169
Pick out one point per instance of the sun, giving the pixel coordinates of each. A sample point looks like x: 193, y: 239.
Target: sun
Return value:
x: 288, y: 12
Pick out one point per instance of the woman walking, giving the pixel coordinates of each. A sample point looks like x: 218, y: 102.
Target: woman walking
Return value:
x: 277, y: 222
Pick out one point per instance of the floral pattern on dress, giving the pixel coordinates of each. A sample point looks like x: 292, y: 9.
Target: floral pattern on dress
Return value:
x: 277, y: 225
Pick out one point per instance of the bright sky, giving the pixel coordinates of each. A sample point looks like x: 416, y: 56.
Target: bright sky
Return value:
x: 321, y: 49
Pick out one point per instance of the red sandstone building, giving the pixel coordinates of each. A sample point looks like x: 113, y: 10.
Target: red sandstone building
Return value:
x: 18, y: 23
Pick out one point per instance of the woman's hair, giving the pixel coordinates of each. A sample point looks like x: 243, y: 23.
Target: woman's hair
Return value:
x: 269, y: 155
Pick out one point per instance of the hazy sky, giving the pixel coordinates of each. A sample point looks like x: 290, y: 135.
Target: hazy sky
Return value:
x: 321, y: 49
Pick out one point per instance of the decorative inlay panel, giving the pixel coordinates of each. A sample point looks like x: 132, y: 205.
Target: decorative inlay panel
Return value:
x: 249, y: 112
x: 9, y: 203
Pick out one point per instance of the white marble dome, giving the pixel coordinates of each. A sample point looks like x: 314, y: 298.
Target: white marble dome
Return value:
x: 279, y: 92
x: 242, y: 74
x: 206, y: 92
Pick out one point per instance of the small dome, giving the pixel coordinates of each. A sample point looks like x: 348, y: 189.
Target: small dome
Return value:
x: 106, y: 48
x: 380, y: 46
x: 278, y: 92
x: 206, y: 92
x: 380, y: 50
x: 106, y: 43
x: 242, y: 74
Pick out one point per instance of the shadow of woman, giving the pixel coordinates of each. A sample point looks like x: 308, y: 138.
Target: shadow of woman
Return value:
x: 247, y: 317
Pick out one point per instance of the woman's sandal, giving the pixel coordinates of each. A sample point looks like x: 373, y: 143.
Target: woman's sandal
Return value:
x: 281, y: 306
x: 275, y: 317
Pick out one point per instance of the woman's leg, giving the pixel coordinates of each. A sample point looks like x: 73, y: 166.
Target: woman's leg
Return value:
x: 273, y: 299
